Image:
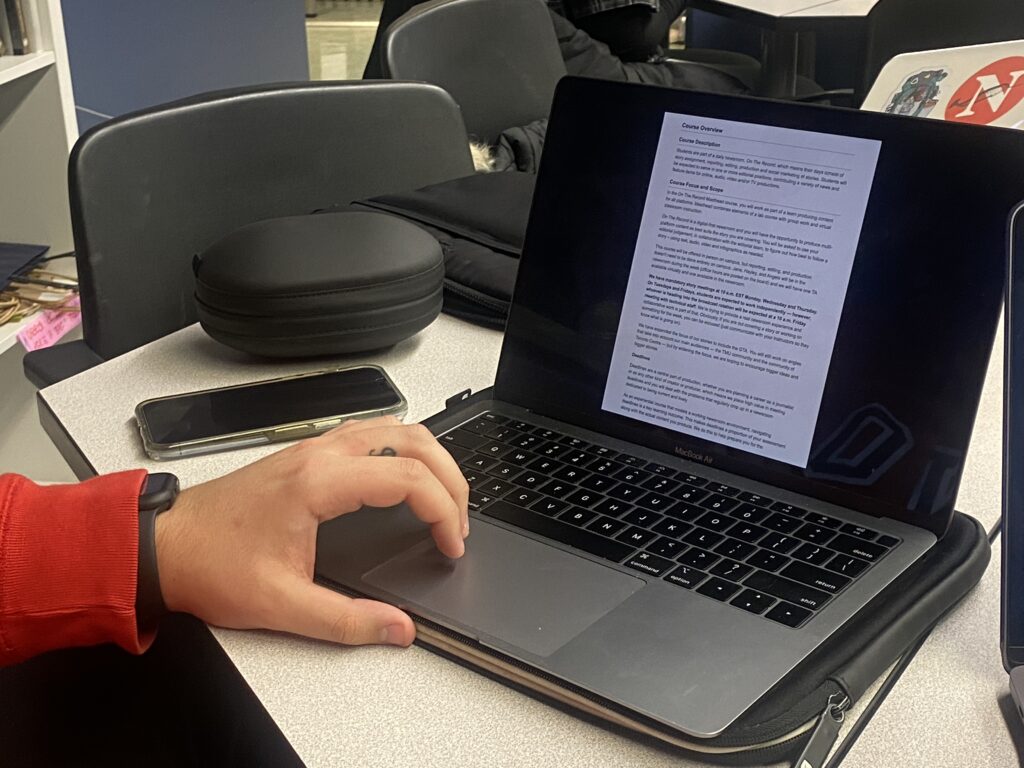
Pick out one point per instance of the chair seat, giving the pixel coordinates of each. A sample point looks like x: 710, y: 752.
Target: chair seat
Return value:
x: 44, y: 367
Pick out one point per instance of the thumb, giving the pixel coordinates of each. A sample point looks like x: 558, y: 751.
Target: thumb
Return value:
x: 316, y: 611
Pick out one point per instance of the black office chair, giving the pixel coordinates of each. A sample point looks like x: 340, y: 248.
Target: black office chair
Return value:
x: 151, y: 189
x: 499, y: 59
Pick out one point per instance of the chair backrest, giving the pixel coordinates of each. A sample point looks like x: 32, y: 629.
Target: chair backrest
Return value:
x: 151, y: 189
x: 902, y: 26
x: 499, y: 59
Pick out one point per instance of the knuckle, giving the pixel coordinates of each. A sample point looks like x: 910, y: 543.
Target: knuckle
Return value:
x: 411, y: 470
x: 420, y: 432
x: 345, y: 628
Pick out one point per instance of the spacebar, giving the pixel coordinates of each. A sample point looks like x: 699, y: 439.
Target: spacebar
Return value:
x: 552, y: 529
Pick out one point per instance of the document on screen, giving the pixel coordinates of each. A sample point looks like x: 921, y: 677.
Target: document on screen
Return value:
x: 740, y: 271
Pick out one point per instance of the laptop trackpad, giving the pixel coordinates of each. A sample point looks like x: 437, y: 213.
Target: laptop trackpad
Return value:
x: 522, y: 592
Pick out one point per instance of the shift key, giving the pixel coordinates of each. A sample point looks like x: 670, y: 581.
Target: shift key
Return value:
x: 553, y: 529
x: 787, y: 590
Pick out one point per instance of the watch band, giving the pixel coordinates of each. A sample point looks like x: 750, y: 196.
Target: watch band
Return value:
x: 158, y: 495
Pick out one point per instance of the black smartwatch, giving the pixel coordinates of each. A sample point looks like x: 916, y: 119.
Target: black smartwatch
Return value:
x: 158, y: 495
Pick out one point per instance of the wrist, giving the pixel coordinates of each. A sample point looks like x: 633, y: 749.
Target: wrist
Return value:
x: 158, y: 494
x: 167, y: 557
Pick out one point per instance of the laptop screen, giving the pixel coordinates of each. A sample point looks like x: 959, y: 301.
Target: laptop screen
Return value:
x: 1013, y: 454
x: 799, y: 295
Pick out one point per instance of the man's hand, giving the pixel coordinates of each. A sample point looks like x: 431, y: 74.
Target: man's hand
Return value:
x: 238, y: 551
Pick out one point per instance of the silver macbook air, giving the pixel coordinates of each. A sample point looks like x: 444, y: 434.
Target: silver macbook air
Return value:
x: 734, y: 400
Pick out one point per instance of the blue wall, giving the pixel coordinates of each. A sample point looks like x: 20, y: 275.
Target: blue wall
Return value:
x: 130, y: 54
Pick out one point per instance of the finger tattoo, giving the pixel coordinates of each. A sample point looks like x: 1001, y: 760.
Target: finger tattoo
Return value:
x: 383, y: 452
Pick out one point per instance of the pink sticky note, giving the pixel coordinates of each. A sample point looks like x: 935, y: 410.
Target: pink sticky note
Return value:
x: 48, y: 327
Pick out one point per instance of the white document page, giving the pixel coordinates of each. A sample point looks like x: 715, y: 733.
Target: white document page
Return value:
x: 738, y: 280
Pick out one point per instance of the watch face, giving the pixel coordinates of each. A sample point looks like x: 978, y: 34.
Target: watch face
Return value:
x: 159, y: 492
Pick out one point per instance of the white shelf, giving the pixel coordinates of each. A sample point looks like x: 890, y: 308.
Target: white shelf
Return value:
x: 13, y: 67
x: 9, y: 333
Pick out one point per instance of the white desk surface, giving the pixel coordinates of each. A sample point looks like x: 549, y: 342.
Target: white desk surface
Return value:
x: 381, y: 706
x: 802, y: 8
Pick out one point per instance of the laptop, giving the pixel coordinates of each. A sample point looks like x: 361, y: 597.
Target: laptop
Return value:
x: 1012, y: 575
x: 735, y: 393
x: 978, y: 84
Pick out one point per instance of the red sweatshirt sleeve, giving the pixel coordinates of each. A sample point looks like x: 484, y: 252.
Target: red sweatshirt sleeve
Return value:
x: 68, y: 559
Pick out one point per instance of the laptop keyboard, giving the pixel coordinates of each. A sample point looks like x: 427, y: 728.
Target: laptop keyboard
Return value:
x: 758, y: 554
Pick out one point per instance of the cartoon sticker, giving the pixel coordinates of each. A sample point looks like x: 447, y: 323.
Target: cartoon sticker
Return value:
x: 918, y: 95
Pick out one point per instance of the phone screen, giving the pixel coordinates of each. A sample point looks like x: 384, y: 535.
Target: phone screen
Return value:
x: 238, y: 409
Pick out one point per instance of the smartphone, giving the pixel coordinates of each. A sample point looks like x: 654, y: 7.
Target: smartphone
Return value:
x: 268, y: 411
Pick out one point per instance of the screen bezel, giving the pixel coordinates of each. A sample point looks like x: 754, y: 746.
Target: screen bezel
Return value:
x: 1012, y: 602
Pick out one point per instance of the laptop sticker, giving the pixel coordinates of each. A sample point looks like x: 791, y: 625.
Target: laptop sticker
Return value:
x: 918, y: 94
x: 990, y: 93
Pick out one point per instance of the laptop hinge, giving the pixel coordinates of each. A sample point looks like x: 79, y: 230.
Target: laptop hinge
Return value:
x: 455, y: 399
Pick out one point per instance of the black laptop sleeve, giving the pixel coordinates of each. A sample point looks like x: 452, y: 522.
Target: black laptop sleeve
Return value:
x: 835, y: 676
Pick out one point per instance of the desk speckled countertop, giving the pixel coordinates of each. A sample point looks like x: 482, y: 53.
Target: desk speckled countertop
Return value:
x: 380, y: 706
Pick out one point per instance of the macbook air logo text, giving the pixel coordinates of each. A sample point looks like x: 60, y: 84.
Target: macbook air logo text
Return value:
x: 686, y: 453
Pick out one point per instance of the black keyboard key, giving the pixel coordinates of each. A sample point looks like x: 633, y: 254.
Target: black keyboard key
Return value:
x: 474, y: 479
x: 523, y: 497
x: 685, y: 576
x: 625, y: 492
x: 504, y: 471
x: 613, y: 507
x: 815, y: 577
x: 457, y: 453
x: 861, y: 533
x: 557, y: 488
x: 478, y: 501
x: 598, y: 483
x: 519, y: 458
x: 531, y: 479
x: 669, y: 548
x: 722, y: 488
x: 502, y: 434
x: 816, y: 518
x: 748, y: 532
x: 750, y: 513
x: 788, y: 614
x: 848, y: 545
x: 548, y: 506
x: 689, y: 494
x: 755, y: 498
x: 669, y: 527
x: 604, y: 451
x: 660, y: 469
x: 731, y: 570
x: 569, y: 473
x: 716, y: 522
x: 583, y: 497
x: 716, y: 502
x: 776, y: 542
x: 543, y: 464
x: 495, y: 487
x: 787, y: 590
x: 574, y: 442
x: 605, y: 526
x: 631, y: 475
x: 655, y: 501
x: 698, y: 558
x: 551, y: 450
x: 478, y: 426
x: 558, y: 531
x: 643, y: 518
x: 737, y: 550
x: 478, y: 463
x: 577, y: 516
x: 813, y: 554
x: 525, y: 441
x: 846, y: 565
x: 463, y: 438
x: 782, y: 523
x: 633, y: 461
x: 687, y: 512
x: 494, y: 449
x: 522, y: 426
x: 695, y: 480
x: 815, y: 534
x: 701, y: 537
x: 659, y: 484
x: 638, y: 537
x: 719, y: 589
x: 645, y: 562
x: 604, y: 467
x: 768, y: 561
x: 887, y: 541
x: 546, y: 434
x: 789, y: 509
x: 752, y: 601
x: 576, y: 458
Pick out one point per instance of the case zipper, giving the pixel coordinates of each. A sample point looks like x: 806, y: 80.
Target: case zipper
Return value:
x: 825, y: 732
